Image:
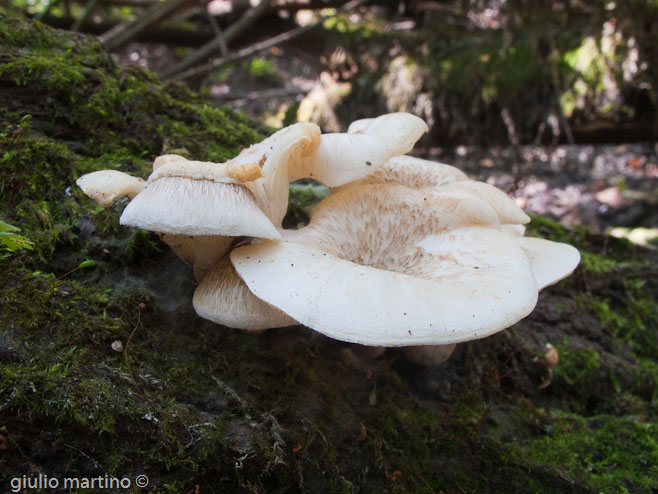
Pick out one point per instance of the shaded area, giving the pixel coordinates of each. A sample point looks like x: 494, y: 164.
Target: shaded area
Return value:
x: 194, y: 404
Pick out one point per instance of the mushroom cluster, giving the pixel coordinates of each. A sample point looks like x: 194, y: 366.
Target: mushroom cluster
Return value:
x: 403, y: 253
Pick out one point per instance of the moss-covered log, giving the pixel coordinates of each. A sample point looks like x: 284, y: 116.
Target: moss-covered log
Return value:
x: 198, y: 407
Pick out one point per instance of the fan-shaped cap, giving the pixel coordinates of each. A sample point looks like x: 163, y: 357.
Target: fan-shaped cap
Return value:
x: 550, y: 261
x: 185, y: 206
x: 344, y: 157
x: 386, y: 265
x: 223, y: 297
x: 105, y: 186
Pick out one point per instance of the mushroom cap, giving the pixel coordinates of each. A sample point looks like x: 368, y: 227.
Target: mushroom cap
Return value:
x: 344, y: 157
x: 105, y: 186
x: 384, y: 265
x: 207, y: 170
x: 550, y: 261
x: 223, y: 297
x: 418, y: 173
x: 278, y: 155
x: 410, y: 171
x: 184, y: 206
x: 518, y: 230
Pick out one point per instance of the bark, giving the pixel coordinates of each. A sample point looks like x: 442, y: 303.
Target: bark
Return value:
x: 123, y: 33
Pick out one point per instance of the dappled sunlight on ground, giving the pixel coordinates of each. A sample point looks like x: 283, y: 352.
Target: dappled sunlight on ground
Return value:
x: 602, y: 186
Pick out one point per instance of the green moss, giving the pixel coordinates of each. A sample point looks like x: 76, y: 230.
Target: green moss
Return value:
x: 579, y: 369
x: 603, y: 453
x: 304, y: 194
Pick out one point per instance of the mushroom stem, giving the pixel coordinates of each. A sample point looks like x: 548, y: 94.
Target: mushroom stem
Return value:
x: 182, y: 245
x: 207, y: 251
x: 428, y: 354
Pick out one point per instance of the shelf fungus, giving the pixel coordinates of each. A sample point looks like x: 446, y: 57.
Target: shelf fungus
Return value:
x: 404, y: 252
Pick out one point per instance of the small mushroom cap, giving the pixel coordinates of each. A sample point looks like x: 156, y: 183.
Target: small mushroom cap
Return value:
x: 223, y: 297
x: 505, y: 207
x: 550, y: 261
x: 184, y: 206
x: 105, y: 186
x: 345, y: 157
x: 386, y: 266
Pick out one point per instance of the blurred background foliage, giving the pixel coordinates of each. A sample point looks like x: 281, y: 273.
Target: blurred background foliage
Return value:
x: 479, y: 71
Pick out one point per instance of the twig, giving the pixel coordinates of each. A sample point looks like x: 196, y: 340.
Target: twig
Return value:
x: 143, y: 4
x: 209, y: 67
x: 556, y: 84
x: 248, y: 18
x: 96, y: 464
x: 140, y: 308
x: 219, y: 35
x: 514, y: 141
x: 239, y: 98
x: 89, y: 8
x: 123, y: 33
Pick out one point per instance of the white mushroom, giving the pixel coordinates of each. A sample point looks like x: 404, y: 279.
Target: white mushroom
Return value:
x: 223, y: 297
x: 182, y: 245
x: 550, y: 261
x: 385, y: 265
x: 211, y: 211
x: 186, y: 206
x: 331, y: 159
x: 248, y: 195
x: 105, y: 186
x: 423, y: 174
x: 345, y: 157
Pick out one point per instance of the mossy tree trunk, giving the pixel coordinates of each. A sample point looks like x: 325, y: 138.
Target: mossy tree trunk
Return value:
x: 189, y: 403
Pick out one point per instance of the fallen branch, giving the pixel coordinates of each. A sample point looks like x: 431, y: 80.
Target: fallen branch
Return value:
x: 123, y: 33
x: 207, y: 68
x: 89, y: 8
x: 247, y: 19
